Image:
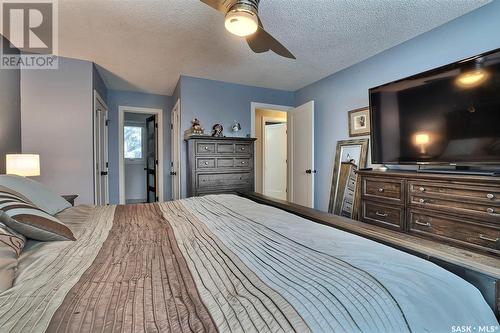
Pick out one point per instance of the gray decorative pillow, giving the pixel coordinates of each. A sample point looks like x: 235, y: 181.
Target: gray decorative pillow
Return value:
x: 35, y: 192
x: 29, y: 220
x: 11, y: 245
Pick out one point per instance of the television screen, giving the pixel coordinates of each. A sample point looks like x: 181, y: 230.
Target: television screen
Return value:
x: 447, y: 115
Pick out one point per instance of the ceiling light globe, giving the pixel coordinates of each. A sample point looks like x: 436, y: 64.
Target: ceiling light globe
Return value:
x: 241, y: 23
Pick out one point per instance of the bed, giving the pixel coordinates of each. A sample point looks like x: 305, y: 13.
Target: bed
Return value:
x: 223, y: 263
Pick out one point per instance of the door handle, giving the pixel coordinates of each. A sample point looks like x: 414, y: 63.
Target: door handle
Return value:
x: 104, y: 173
x: 173, y: 173
x: 309, y: 171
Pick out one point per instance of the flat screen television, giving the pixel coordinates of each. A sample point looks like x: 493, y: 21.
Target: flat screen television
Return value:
x: 449, y: 115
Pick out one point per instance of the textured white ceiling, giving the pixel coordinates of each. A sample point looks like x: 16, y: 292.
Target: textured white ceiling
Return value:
x: 144, y: 45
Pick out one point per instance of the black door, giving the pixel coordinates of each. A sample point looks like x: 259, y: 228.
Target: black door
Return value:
x: 151, y: 159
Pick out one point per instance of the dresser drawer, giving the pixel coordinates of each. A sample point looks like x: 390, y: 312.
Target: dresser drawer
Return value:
x: 459, y: 192
x: 205, y: 163
x: 225, y: 162
x: 243, y: 148
x: 205, y: 148
x: 223, y: 190
x: 216, y: 181
x: 454, y: 230
x: 225, y: 148
x: 380, y: 188
x: 483, y: 211
x: 383, y: 215
x: 243, y: 162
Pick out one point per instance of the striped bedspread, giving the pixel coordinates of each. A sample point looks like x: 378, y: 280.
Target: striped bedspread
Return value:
x: 226, y: 264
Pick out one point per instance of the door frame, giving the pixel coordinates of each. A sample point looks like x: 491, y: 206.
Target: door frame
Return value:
x: 98, y: 98
x: 179, y: 146
x: 263, y: 150
x: 122, y: 109
x: 275, y: 107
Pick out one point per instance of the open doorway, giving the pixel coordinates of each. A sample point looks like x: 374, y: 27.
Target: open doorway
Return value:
x: 286, y: 156
x: 101, y: 178
x: 141, y: 166
x: 271, y: 153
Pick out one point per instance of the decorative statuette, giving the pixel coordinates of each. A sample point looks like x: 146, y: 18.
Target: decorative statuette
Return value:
x: 195, y: 129
x: 217, y: 130
x: 236, y: 126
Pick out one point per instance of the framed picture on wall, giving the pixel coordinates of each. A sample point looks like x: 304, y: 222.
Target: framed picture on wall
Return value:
x: 359, y: 122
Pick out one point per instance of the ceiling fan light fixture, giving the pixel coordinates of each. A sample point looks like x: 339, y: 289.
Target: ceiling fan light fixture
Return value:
x: 241, y: 23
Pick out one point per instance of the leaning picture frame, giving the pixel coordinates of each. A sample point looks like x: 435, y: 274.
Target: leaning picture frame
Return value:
x: 359, y: 122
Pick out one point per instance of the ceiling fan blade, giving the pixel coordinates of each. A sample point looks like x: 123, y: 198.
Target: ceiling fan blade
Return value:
x: 220, y: 5
x: 262, y: 41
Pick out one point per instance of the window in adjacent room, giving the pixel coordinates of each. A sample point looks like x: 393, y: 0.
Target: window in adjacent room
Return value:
x: 133, y: 142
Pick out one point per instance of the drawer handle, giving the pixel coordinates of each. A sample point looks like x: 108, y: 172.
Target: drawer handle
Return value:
x: 486, y: 238
x: 243, y: 162
x: 381, y: 214
x: 423, y: 224
x: 491, y: 211
x: 206, y: 163
x: 422, y: 189
x: 206, y: 147
x: 242, y: 148
x: 381, y: 190
x: 490, y: 196
x: 422, y: 201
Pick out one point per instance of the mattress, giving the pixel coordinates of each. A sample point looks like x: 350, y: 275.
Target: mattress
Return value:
x: 222, y: 263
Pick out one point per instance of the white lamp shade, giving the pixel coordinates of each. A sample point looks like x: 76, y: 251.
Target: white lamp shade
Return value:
x: 26, y: 165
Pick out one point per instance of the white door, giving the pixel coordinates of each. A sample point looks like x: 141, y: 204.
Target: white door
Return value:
x: 101, y: 151
x: 275, y: 166
x: 175, y: 165
x: 301, y: 154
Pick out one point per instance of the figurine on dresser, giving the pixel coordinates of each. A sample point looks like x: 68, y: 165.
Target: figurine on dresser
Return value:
x: 195, y: 129
x: 217, y: 131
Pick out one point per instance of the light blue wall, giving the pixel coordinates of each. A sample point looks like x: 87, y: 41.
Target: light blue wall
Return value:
x: 10, y: 112
x: 221, y: 102
x: 118, y: 98
x: 334, y: 96
x: 56, y: 122
x: 177, y: 92
x: 98, y: 83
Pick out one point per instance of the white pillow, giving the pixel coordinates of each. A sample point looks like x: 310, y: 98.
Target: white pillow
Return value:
x: 37, y: 193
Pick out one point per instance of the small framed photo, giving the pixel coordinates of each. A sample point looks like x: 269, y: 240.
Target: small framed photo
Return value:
x: 359, y: 122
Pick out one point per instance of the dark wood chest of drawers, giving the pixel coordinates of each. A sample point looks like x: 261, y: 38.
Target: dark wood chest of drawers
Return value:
x: 460, y: 210
x: 220, y: 165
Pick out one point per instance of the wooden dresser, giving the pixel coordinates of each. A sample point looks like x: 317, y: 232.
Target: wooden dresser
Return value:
x: 459, y: 210
x: 220, y: 165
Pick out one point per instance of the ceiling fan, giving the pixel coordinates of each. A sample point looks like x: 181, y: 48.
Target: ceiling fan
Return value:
x: 242, y: 19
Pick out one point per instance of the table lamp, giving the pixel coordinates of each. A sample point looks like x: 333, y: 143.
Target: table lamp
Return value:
x: 26, y: 165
